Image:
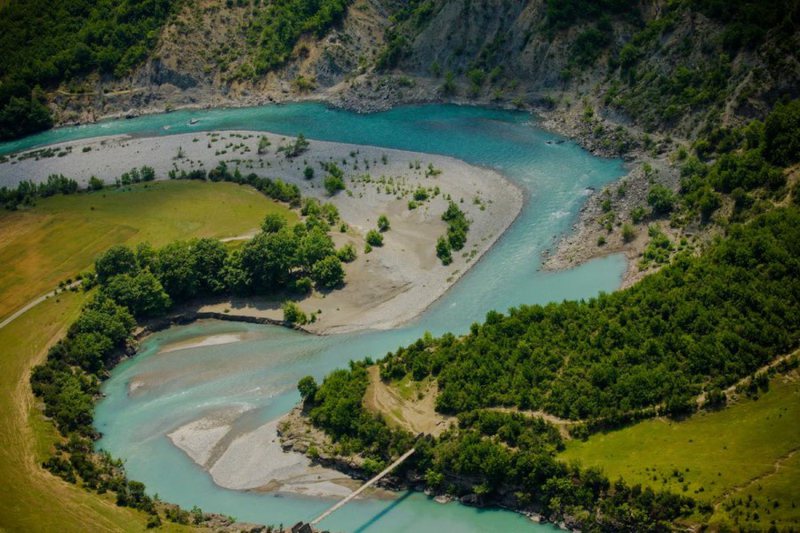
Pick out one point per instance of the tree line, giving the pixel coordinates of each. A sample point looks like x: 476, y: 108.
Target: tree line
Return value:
x: 132, y: 284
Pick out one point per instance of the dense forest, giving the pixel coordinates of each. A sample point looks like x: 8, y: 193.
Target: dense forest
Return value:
x: 698, y: 324
x: 43, y: 44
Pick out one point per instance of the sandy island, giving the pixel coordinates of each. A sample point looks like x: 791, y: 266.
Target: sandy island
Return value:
x: 385, y: 288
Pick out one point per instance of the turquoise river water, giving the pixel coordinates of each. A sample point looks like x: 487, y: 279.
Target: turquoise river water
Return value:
x: 260, y: 372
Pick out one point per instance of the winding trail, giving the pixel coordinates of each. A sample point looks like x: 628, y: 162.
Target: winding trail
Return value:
x: 36, y: 301
x: 776, y: 467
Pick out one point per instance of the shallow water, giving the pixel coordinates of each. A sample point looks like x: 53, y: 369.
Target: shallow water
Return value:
x: 259, y: 373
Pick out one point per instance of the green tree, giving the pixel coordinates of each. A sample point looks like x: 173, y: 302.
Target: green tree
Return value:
x: 143, y: 294
x: 314, y: 246
x: 782, y: 134
x: 116, y: 260
x: 328, y: 272
x: 661, y: 199
x: 308, y: 388
x: 268, y: 259
x: 209, y: 257
x: 95, y: 183
x: 273, y: 223
x: 443, y: 251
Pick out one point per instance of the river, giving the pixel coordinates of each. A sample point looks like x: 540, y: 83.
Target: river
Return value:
x: 259, y: 373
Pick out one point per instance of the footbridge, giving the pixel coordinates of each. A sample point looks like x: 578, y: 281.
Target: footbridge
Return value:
x: 362, y: 488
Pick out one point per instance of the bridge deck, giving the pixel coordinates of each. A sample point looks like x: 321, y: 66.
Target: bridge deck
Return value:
x: 362, y: 488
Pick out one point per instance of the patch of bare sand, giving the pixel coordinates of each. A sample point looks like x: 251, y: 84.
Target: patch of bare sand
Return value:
x: 416, y: 412
x: 254, y: 460
x: 204, y: 340
x: 385, y: 288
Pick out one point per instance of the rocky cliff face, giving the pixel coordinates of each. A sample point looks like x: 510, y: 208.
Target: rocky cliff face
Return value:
x: 663, y: 65
x: 660, y: 65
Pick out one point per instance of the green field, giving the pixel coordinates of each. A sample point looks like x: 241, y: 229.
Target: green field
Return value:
x: 718, y: 457
x: 62, y: 235
x: 43, y: 245
x: 30, y: 498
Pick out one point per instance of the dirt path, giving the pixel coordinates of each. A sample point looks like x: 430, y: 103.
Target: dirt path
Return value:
x: 33, y: 303
x: 416, y: 415
x: 776, y: 467
x: 730, y: 390
x: 561, y: 424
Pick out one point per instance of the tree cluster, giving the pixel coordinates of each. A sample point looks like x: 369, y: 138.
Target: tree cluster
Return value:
x: 276, y: 188
x: 699, y: 323
x: 277, y: 28
x: 456, y: 238
x: 745, y: 163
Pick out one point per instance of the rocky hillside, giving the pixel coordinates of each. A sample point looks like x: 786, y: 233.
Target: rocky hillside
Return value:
x: 684, y: 67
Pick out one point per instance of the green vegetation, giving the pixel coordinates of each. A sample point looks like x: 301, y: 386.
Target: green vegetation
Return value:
x: 276, y: 189
x: 292, y: 314
x: 144, y: 283
x: 72, y: 38
x: 746, y: 165
x: 277, y: 28
x: 444, y: 251
x: 347, y: 253
x: 299, y: 147
x: 383, y: 223
x: 489, y: 455
x: 26, y: 193
x: 334, y: 180
x: 28, y: 438
x: 374, y: 238
x: 457, y: 228
x: 60, y: 236
x: 711, y: 453
x: 698, y: 324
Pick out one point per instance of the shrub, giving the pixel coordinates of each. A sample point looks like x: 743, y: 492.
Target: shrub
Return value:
x: 628, y: 232
x: 293, y: 314
x: 443, y: 251
x: 347, y: 253
x: 661, y: 199
x: 374, y: 238
x: 333, y: 184
x: 95, y: 183
x: 637, y: 214
x: 383, y: 223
